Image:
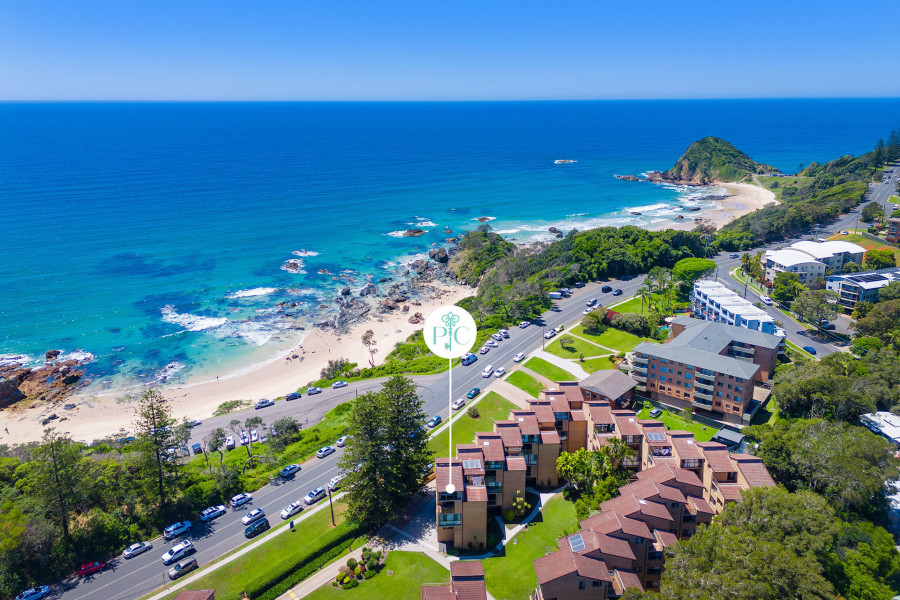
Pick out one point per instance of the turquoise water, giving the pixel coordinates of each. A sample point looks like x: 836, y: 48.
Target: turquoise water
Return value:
x: 153, y: 235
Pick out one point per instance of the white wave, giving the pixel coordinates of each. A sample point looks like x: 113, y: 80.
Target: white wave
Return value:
x: 647, y: 207
x: 12, y: 359
x: 169, y: 371
x: 304, y: 292
x: 397, y: 234
x: 423, y: 223
x: 507, y: 231
x: 79, y: 355
x: 253, y: 332
x: 190, y: 322
x: 304, y: 253
x: 576, y: 215
x: 294, y: 265
x: 260, y: 291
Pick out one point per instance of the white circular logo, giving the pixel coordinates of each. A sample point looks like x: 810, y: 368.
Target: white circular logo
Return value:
x: 450, y: 331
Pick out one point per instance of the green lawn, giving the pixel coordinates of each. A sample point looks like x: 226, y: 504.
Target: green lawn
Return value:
x: 574, y: 349
x: 767, y: 414
x: 634, y: 305
x: 409, y: 570
x: 868, y: 243
x: 510, y: 576
x: 619, y: 341
x: 551, y: 372
x: 229, y: 580
x: 673, y: 421
x: 492, y: 407
x: 777, y: 184
x: 525, y: 382
x: 597, y: 364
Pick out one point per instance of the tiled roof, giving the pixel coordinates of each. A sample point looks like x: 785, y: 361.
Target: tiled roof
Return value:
x: 610, y: 522
x: 647, y: 488
x: 509, y: 431
x: 491, y: 446
x: 629, y: 505
x: 578, y: 415
x: 467, y: 580
x: 717, y: 457
x: 438, y: 592
x: 559, y: 403
x: 476, y: 493
x: 701, y: 505
x: 685, y: 445
x: 731, y: 491
x: 666, y: 538
x: 528, y: 424
x: 628, y: 579
x: 753, y: 470
x: 600, y: 413
x: 609, y: 383
x: 445, y: 473
x: 666, y: 474
x: 613, y: 546
x: 591, y: 568
x: 543, y: 412
x: 563, y: 562
x: 550, y: 437
x: 516, y: 463
x: 627, y: 423
x: 466, y: 568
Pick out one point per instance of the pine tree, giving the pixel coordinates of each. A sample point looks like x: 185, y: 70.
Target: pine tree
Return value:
x: 57, y: 478
x: 404, y: 421
x: 155, y: 433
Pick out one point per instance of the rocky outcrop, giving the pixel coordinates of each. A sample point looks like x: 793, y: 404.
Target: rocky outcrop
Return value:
x: 414, y: 232
x: 389, y: 304
x: 416, y: 319
x: 483, y: 219
x: 554, y: 230
x: 439, y: 255
x: 419, y: 266
x: 368, y: 290
x: 51, y: 382
x: 51, y: 355
x: 629, y: 178
x: 294, y: 265
x: 345, y: 291
x: 9, y: 393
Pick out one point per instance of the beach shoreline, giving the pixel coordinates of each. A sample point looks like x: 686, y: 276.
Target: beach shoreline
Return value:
x: 742, y: 199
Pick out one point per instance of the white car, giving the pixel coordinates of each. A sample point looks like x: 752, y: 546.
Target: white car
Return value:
x: 173, y: 531
x: 549, y: 334
x: 240, y: 500
x: 245, y: 438
x: 177, y: 552
x: 504, y: 333
x: 339, y: 384
x: 324, y: 451
x: 587, y: 311
x: 765, y: 299
x: 484, y: 350
x: 254, y: 515
x: 135, y: 549
x: 212, y: 512
x: 291, y: 509
x: 342, y: 441
x: 488, y: 371
x: 497, y: 337
x: 34, y: 593
x: 335, y: 482
x: 519, y: 357
x: 524, y: 324
x: 491, y: 344
x: 254, y: 436
x: 229, y: 442
x: 264, y: 403
x: 500, y: 372
x: 315, y: 495
x: 458, y: 404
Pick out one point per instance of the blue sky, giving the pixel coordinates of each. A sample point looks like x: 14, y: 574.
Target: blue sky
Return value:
x: 425, y: 50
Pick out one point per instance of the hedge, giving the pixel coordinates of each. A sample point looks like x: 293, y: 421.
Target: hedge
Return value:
x: 295, y: 569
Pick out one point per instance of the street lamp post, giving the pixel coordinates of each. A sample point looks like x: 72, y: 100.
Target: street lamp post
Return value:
x: 331, y: 506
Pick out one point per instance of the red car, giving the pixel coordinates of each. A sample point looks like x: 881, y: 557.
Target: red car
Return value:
x: 91, y: 568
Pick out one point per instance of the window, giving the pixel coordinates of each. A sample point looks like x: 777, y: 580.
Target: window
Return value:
x: 580, y: 585
x: 638, y: 540
x: 595, y: 584
x: 738, y: 388
x: 664, y: 370
x: 679, y: 372
x: 652, y: 375
x: 687, y: 386
x: 664, y: 360
x: 652, y: 366
x: 729, y: 386
x: 720, y: 384
x: 662, y: 377
x: 739, y: 380
x: 687, y: 375
x: 719, y: 394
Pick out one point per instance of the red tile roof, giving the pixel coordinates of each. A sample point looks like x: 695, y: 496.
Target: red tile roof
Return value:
x: 509, y: 432
x: 612, y: 522
x: 528, y: 424
x: 600, y: 413
x: 563, y: 562
x: 591, y: 568
x: 753, y: 470
x: 686, y: 446
x: 613, y: 546
x: 666, y: 538
x: 476, y: 493
x: 701, y: 505
x: 627, y: 424
x: 466, y: 568
x: 668, y: 474
x: 647, y: 488
x: 578, y: 415
x: 731, y: 491
x: 717, y: 457
x: 491, y: 446
x: 467, y: 580
x: 516, y: 463
x: 629, y: 579
x: 559, y: 403
x: 543, y: 412
x: 550, y: 437
x: 445, y: 473
x: 438, y: 592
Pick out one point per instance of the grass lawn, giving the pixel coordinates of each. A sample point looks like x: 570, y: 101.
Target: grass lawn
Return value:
x: 673, y: 421
x: 615, y: 340
x: 767, y: 414
x: 868, y: 243
x: 629, y: 306
x: 510, y: 576
x: 493, y: 406
x: 231, y: 579
x: 597, y: 364
x: 776, y: 184
x: 525, y: 382
x: 551, y: 372
x: 409, y: 570
x: 573, y: 349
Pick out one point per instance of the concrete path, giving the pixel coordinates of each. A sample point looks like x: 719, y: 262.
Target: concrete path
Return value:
x: 572, y: 367
x: 540, y: 378
x: 510, y: 392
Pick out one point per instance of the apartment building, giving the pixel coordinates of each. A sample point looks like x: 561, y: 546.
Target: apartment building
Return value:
x: 834, y: 254
x: 791, y: 260
x: 860, y: 287
x: 713, y: 301
x: 893, y: 231
x: 466, y: 583
x: 708, y: 367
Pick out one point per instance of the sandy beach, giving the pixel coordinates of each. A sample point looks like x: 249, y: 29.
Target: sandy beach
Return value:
x: 742, y: 199
x: 105, y: 415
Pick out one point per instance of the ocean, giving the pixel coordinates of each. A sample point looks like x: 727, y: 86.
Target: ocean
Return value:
x: 153, y: 236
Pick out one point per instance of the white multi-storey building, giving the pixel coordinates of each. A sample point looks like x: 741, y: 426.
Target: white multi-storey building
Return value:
x: 712, y: 301
x: 809, y: 260
x: 833, y: 254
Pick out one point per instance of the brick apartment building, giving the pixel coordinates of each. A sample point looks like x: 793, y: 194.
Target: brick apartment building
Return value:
x: 711, y: 368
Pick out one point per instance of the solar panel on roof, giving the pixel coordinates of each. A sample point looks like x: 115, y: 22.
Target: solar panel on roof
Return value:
x: 868, y: 277
x: 655, y: 436
x: 472, y: 463
x: 576, y: 543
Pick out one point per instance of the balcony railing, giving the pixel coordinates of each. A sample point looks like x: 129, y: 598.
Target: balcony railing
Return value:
x: 451, y: 520
x: 704, y: 404
x: 639, y: 376
x: 702, y: 395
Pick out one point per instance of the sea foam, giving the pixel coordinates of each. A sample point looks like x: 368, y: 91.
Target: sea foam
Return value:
x: 190, y: 322
x: 260, y: 291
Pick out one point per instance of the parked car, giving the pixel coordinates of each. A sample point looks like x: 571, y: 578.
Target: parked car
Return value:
x: 291, y: 509
x: 467, y: 359
x: 519, y: 357
x: 34, y: 593
x: 325, y: 451
x: 293, y: 396
x: 524, y: 324
x: 458, y: 404
x: 264, y: 403
x: 473, y: 393
x: 606, y: 289
x: 488, y: 371
x: 313, y: 391
x: 809, y: 349
x: 733, y: 255
x: 335, y: 482
x: 434, y: 421
x: 229, y: 442
x: 289, y: 470
x: 245, y: 438
x: 256, y: 528
x: 254, y: 436
x: 178, y: 551
x: 339, y: 384
x: 504, y: 333
x: 549, y: 334
x: 342, y: 441
x: 579, y: 284
x: 592, y: 302
x: 829, y: 326
x: 176, y: 529
x: 484, y: 350
x: 617, y: 292
x: 655, y: 413
x: 497, y: 337
x: 135, y: 549
x: 254, y: 515
x: 241, y: 499
x: 587, y: 311
x: 213, y: 512
x: 90, y: 568
x: 194, y: 423
x: 491, y: 344
x: 499, y: 372
x: 182, y: 568
x: 315, y: 495
x: 197, y: 448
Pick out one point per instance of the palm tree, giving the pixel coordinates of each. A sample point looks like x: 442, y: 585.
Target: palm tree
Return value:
x: 615, y: 451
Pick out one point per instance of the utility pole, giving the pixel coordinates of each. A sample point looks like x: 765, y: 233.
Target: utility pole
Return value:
x: 331, y: 506
x: 543, y: 339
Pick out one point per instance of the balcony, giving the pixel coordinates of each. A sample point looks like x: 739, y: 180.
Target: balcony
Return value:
x: 494, y: 487
x: 637, y: 376
x: 703, y: 395
x: 450, y: 520
x: 446, y: 508
x: 639, y: 361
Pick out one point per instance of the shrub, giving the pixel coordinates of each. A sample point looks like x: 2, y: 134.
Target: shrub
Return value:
x: 369, y: 574
x: 473, y: 412
x: 351, y: 562
x: 509, y: 515
x: 357, y: 571
x: 351, y: 584
x: 371, y: 565
x: 582, y: 511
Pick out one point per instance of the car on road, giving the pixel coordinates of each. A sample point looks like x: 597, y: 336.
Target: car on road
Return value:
x: 587, y: 311
x: 339, y: 384
x: 254, y: 515
x: 579, y: 284
x: 592, y: 302
x: 289, y: 470
x: 229, y: 442
x: 765, y: 300
x: 655, y: 413
x: 488, y: 371
x: 241, y: 499
x: 484, y: 350
x: 291, y: 509
x: 342, y: 441
x: 335, y: 482
x: 34, y: 593
x: 315, y: 495
x: 504, y: 333
x: 176, y: 529
x: 809, y: 349
x: 197, y: 448
x: 606, y: 289
x: 90, y: 568
x: 177, y: 552
x: 182, y: 568
x: 617, y: 292
x: 499, y: 372
x: 135, y: 549
x: 458, y: 404
x: 497, y: 337
x: 194, y: 423
x: 213, y: 512
x: 845, y: 233
x: 434, y: 421
x: 524, y: 324
x: 491, y: 344
x: 473, y: 393
x: 467, y: 359
x: 313, y: 391
x: 245, y: 438
x: 324, y: 451
x: 257, y: 528
x: 293, y: 396
x: 550, y: 333
x: 264, y: 403
x: 519, y: 357
x: 734, y: 255
x: 828, y: 326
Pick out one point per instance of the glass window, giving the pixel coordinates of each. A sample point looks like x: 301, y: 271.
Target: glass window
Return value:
x: 687, y: 386
x: 665, y: 360
x: 662, y: 377
x: 688, y: 376
x: 580, y: 585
